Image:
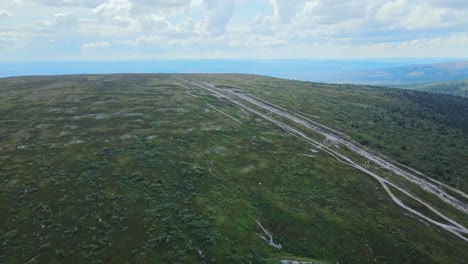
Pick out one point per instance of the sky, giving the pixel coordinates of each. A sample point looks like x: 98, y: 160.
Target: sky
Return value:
x: 64, y: 30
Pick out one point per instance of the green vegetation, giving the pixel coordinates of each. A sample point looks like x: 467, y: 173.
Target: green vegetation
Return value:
x: 135, y: 169
x: 425, y: 131
x: 459, y: 88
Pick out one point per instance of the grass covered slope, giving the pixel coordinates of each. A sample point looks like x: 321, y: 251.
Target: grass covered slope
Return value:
x: 459, y: 88
x: 428, y: 132
x: 137, y: 168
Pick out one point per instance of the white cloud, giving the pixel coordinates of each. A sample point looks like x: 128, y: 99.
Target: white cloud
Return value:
x: 158, y: 32
x: 114, y: 17
x: 423, y: 17
x: 276, y: 27
x: 250, y: 41
x: 5, y: 13
x: 114, y: 9
x: 95, y: 45
x: 151, y: 23
x: 11, y: 42
x: 57, y: 22
x: 10, y: 37
x: 318, y: 19
x: 420, y: 15
x: 392, y: 10
x: 161, y: 7
x: 88, y: 3
x: 456, y: 4
x: 218, y: 14
x: 285, y: 10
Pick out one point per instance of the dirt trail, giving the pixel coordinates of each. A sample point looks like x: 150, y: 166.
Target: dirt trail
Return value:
x: 454, y: 227
x: 331, y: 134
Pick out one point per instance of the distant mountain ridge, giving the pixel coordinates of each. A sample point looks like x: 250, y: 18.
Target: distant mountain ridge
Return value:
x: 329, y: 71
x: 404, y: 75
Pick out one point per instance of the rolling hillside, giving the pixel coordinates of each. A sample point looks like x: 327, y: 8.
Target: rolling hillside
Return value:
x: 229, y: 168
x: 458, y: 88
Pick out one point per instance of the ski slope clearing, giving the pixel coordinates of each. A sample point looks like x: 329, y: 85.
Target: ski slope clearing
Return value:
x: 240, y: 99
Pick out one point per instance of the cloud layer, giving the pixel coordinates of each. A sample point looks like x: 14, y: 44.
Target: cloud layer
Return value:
x: 131, y: 29
x: 95, y: 45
